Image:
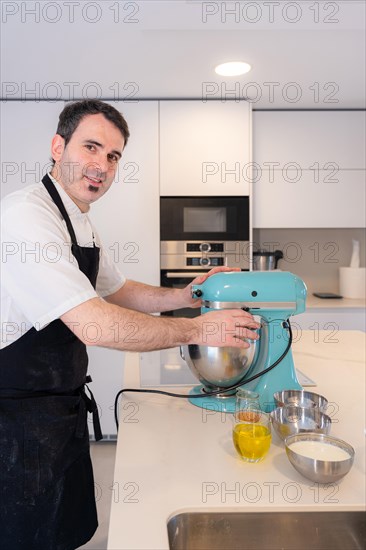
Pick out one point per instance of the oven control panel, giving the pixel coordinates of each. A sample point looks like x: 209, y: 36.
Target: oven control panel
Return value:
x: 200, y: 255
x: 205, y: 247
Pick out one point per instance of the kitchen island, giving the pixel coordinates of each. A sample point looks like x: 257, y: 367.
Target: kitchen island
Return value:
x: 174, y: 457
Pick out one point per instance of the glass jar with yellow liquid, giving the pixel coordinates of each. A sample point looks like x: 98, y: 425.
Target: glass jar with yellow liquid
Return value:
x: 252, y: 434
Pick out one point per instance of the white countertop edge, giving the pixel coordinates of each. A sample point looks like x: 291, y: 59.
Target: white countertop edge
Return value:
x: 312, y: 302
x: 248, y: 509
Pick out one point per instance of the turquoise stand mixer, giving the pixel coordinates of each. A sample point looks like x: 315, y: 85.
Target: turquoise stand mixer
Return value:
x: 267, y: 366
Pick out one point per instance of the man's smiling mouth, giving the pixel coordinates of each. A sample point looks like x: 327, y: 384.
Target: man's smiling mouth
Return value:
x: 96, y: 182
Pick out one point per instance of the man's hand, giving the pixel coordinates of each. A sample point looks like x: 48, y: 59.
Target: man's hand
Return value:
x: 187, y: 291
x: 226, y: 327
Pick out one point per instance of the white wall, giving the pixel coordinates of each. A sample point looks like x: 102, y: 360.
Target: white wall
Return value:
x: 313, y: 254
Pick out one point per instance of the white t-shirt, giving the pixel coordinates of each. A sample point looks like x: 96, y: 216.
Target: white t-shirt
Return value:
x: 40, y: 278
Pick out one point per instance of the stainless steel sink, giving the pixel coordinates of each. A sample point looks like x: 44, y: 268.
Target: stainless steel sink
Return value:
x: 268, y: 531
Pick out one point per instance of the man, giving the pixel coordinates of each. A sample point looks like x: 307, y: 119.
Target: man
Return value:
x: 56, y: 301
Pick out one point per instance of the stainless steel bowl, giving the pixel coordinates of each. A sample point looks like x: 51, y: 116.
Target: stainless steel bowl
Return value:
x: 292, y: 420
x: 300, y: 398
x: 218, y: 368
x: 318, y: 468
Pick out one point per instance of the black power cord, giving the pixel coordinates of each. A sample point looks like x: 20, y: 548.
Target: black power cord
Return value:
x: 286, y: 324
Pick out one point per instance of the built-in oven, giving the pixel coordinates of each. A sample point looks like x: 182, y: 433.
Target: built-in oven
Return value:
x: 199, y: 233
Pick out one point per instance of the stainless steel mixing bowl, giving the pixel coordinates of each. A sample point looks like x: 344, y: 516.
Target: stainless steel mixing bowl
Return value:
x: 320, y: 469
x: 293, y: 420
x: 218, y: 368
x: 300, y: 398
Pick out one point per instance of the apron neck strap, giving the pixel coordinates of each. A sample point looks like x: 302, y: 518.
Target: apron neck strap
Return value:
x: 47, y: 182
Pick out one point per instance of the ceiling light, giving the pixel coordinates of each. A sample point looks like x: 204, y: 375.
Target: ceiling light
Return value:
x: 233, y: 68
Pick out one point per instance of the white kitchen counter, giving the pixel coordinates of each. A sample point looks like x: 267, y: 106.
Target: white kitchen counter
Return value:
x: 173, y: 456
x: 331, y: 303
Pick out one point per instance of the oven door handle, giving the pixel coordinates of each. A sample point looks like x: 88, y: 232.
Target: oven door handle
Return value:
x: 183, y: 274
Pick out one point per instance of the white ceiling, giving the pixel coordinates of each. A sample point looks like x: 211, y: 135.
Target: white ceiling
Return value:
x: 304, y: 54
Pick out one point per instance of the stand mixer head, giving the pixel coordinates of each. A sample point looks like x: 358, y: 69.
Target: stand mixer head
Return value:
x: 273, y: 296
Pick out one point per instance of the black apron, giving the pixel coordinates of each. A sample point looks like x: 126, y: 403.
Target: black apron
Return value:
x: 47, y: 497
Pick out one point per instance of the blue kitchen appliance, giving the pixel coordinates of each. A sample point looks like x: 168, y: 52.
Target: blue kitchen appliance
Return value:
x: 273, y: 296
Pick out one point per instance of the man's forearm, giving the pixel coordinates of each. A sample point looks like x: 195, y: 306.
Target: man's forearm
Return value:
x: 98, y: 323
x: 153, y: 299
x: 147, y: 298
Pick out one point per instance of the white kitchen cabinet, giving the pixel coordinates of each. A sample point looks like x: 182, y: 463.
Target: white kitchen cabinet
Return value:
x: 304, y: 203
x: 127, y: 219
x: 205, y: 148
x: 27, y: 128
x: 309, y: 169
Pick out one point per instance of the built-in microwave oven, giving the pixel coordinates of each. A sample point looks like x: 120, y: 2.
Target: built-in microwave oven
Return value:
x: 204, y: 218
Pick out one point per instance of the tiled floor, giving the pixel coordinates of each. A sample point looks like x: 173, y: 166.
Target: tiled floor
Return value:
x: 103, y: 457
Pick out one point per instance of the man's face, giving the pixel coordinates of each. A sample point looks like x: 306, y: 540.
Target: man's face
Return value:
x: 86, y: 167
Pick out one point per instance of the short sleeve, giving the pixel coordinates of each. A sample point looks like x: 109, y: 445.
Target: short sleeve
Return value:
x: 38, y: 269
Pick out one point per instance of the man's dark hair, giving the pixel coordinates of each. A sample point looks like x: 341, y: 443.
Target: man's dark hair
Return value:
x: 74, y: 112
